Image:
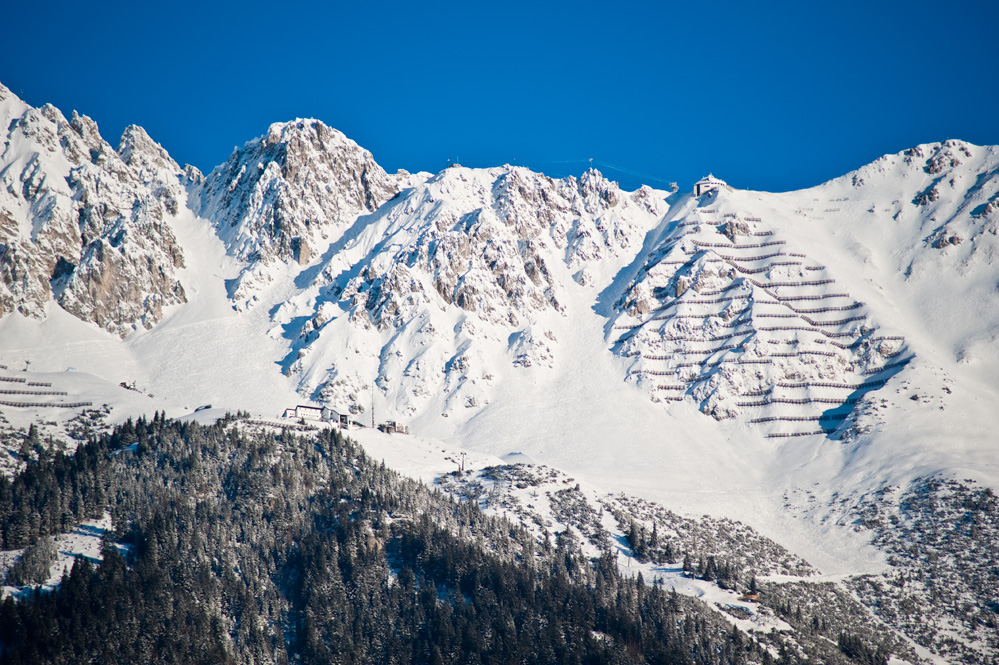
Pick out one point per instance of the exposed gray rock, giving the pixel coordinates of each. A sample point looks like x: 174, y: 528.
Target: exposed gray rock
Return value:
x: 83, y: 223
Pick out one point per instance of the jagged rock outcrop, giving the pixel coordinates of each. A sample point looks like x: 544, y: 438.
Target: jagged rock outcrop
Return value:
x: 287, y: 195
x: 461, y: 272
x: 84, y: 223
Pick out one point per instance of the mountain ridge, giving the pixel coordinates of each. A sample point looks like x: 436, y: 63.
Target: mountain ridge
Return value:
x: 784, y: 359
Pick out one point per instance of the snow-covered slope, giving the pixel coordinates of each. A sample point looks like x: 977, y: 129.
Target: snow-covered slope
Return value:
x: 458, y: 283
x: 724, y: 312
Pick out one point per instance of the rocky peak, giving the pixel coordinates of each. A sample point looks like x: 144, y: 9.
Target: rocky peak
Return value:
x: 293, y: 191
x: 140, y: 152
x: 83, y: 225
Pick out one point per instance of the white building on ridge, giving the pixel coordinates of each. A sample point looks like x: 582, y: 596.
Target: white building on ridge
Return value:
x: 708, y: 184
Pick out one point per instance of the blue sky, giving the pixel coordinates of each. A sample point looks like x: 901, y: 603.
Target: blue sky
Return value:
x: 772, y: 96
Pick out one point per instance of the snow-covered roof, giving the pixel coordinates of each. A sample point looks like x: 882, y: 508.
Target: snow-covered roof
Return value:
x: 710, y: 180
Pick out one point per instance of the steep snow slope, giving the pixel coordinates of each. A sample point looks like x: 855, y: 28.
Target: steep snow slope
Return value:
x: 724, y: 312
x: 456, y: 285
x: 921, y: 228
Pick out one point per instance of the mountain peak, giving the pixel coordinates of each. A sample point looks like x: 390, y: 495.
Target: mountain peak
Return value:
x: 290, y: 193
x: 135, y: 141
x: 301, y: 128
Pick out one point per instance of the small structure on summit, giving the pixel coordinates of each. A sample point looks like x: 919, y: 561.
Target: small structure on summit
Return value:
x: 708, y: 184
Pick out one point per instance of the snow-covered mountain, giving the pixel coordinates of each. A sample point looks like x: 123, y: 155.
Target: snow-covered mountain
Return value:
x: 762, y: 356
x: 443, y: 300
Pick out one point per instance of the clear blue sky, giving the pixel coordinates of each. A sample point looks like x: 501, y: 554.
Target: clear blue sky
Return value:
x: 767, y: 95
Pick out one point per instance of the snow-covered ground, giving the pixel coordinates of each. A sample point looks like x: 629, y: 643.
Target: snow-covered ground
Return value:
x: 84, y: 540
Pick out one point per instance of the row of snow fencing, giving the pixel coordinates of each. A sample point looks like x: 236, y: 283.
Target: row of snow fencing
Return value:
x: 839, y: 322
x: 671, y: 386
x: 708, y: 212
x: 774, y: 315
x: 69, y: 405
x: 40, y: 384
x: 708, y: 352
x: 729, y: 215
x: 766, y: 268
x: 756, y: 219
x: 701, y: 363
x: 795, y: 354
x: 12, y: 379
x: 848, y: 347
x: 807, y: 282
x: 814, y: 330
x: 815, y: 267
x: 817, y: 296
x: 799, y: 255
x: 800, y: 419
x: 729, y: 245
x: 729, y: 257
x: 733, y: 285
x: 678, y: 340
x: 807, y: 400
x: 654, y: 372
x: 725, y: 361
x: 885, y: 368
x: 33, y: 392
x: 785, y: 435
x: 820, y: 310
x: 866, y: 385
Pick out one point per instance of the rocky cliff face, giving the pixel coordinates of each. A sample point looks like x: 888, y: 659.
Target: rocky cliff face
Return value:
x: 290, y: 193
x: 84, y: 223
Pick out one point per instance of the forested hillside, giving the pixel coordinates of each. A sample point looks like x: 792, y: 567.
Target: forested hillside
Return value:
x: 249, y: 546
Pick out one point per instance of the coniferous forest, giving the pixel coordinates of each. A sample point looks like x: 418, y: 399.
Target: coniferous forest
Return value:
x: 233, y: 545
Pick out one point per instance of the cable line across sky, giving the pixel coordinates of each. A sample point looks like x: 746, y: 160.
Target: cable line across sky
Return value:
x: 608, y: 165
